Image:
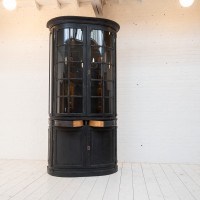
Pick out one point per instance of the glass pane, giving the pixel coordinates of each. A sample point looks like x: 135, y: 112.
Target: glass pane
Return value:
x: 96, y: 55
x: 61, y: 54
x: 60, y: 37
x: 96, y: 88
x: 76, y: 70
x: 96, y: 105
x: 101, y: 38
x: 62, y: 89
x: 107, y: 56
x: 62, y: 105
x: 96, y: 72
x: 101, y: 54
x: 108, y: 105
x: 76, y: 87
x: 74, y: 53
x: 75, y: 105
x: 62, y: 71
x: 65, y: 35
x: 108, y: 39
x: 108, y: 88
x: 97, y: 37
x: 70, y: 53
x: 108, y: 71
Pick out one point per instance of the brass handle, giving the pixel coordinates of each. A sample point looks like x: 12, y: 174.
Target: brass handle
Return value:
x: 77, y: 123
x: 95, y: 123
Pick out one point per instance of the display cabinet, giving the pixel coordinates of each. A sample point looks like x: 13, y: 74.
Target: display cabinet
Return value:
x: 82, y: 96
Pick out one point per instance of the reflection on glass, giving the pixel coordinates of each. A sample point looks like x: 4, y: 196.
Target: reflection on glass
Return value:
x: 96, y: 105
x: 62, y: 89
x: 76, y: 87
x: 75, y: 105
x: 70, y: 53
x: 107, y: 56
x: 73, y: 53
x: 95, y: 54
x: 101, y: 38
x: 62, y: 71
x: 108, y: 105
x: 69, y: 105
x: 96, y: 72
x: 96, y: 88
x: 61, y: 54
x: 76, y: 70
x: 62, y: 105
x: 108, y: 88
x: 108, y: 71
x: 97, y: 37
x: 101, y: 54
x: 108, y: 39
x: 64, y: 35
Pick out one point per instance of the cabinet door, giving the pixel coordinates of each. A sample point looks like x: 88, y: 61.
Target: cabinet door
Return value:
x: 101, y: 79
x: 70, y: 62
x: 68, y: 147
x: 102, y: 146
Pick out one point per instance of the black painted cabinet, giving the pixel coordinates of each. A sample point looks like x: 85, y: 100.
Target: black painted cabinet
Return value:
x: 82, y: 96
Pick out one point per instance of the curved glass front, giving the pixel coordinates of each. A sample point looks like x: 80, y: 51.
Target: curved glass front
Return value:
x: 102, y: 71
x: 84, y: 72
x: 70, y: 71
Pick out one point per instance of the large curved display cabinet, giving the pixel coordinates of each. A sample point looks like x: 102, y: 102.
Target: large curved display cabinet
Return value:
x: 82, y: 97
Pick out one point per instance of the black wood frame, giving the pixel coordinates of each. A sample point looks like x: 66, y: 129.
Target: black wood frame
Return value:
x: 84, y: 150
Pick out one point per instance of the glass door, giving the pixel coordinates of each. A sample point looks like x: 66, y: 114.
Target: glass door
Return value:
x: 70, y: 71
x: 102, y: 72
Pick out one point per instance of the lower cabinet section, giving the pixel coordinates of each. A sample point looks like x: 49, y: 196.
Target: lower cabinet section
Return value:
x: 82, y: 151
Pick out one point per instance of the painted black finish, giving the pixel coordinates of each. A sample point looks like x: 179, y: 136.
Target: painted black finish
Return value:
x: 82, y: 86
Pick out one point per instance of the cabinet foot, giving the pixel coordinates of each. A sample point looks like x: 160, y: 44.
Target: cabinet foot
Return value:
x: 81, y: 172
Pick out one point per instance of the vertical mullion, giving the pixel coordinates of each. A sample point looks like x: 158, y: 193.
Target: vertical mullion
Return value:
x: 68, y: 74
x: 88, y: 75
x: 114, y: 75
x: 50, y: 72
x: 55, y: 71
x: 103, y: 95
x: 84, y: 75
x: 104, y: 49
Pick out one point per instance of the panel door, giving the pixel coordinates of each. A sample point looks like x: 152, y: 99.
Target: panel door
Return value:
x: 68, y: 147
x: 102, y: 146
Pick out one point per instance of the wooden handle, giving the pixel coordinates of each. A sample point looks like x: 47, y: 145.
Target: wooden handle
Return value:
x: 95, y: 123
x: 77, y: 123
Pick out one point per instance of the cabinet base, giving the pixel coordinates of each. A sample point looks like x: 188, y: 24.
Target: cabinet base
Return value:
x: 80, y: 172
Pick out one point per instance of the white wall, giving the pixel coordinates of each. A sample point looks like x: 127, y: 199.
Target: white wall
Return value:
x: 158, y: 80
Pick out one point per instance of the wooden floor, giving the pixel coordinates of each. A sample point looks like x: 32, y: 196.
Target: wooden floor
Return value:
x: 135, y: 181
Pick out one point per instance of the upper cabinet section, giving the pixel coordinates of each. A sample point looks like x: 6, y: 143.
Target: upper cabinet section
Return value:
x: 82, y: 67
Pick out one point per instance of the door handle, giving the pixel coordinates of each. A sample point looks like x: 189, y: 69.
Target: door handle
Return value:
x: 95, y: 123
x: 75, y: 123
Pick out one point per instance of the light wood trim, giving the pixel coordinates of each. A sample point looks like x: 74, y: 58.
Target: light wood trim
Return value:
x: 77, y: 123
x: 95, y: 123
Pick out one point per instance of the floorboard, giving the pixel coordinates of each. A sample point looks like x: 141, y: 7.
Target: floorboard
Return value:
x: 28, y: 180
